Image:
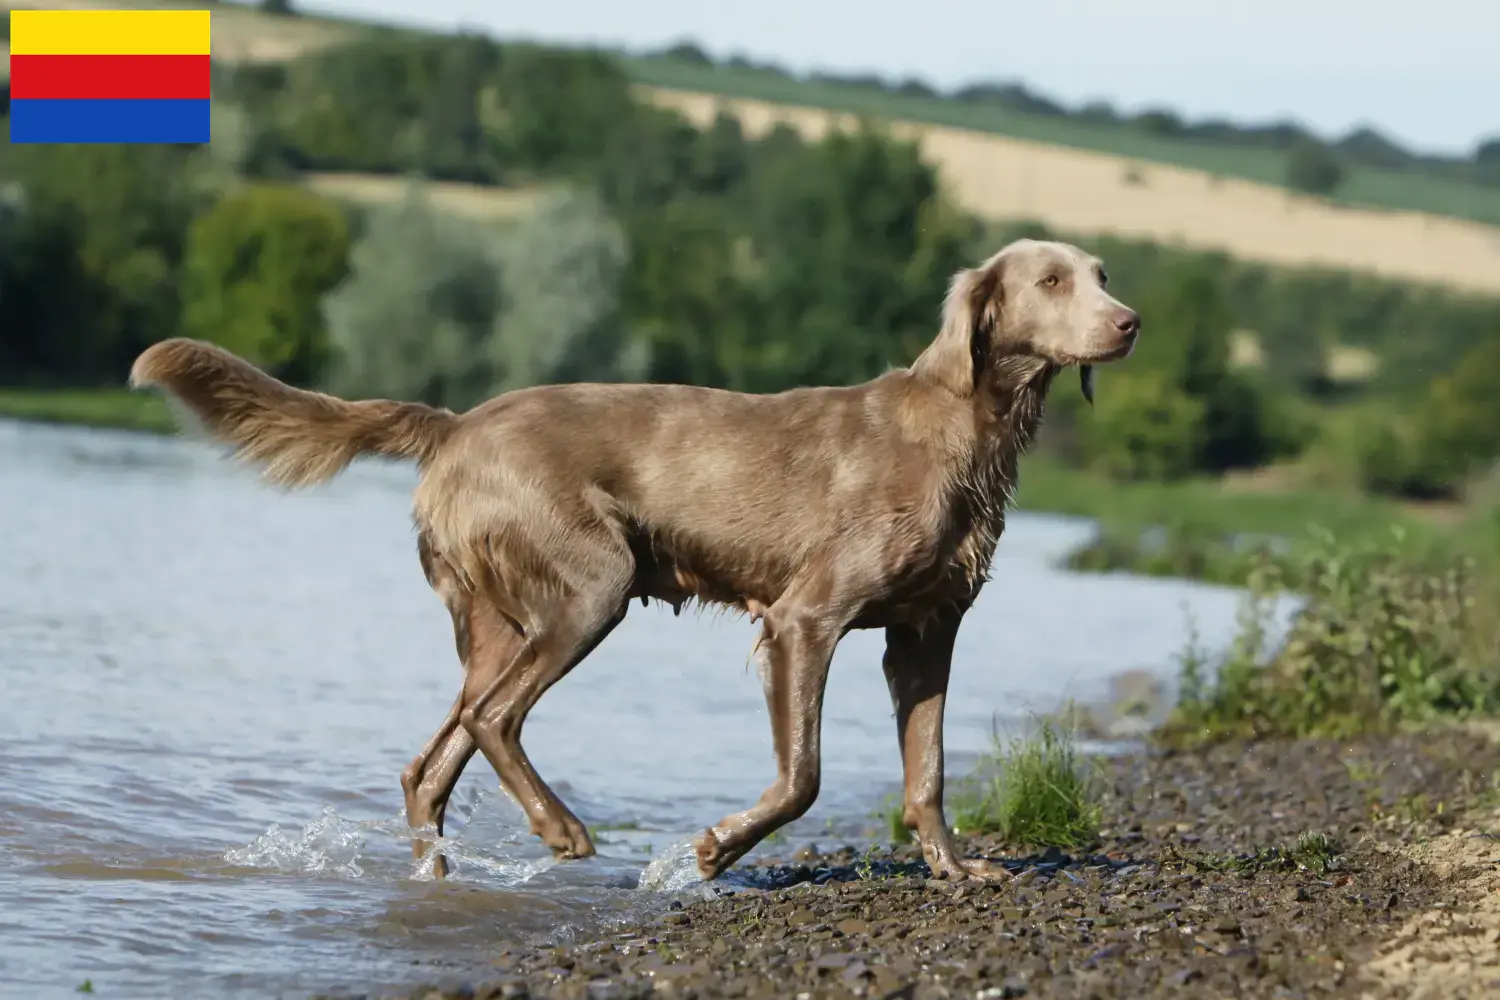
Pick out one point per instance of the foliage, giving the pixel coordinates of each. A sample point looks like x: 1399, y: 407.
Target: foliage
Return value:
x: 1183, y: 548
x: 1038, y: 791
x: 93, y: 272
x: 257, y: 267
x: 1381, y: 640
x: 560, y: 268
x: 413, y: 317
x: 1312, y: 168
x: 1432, y: 447
x: 851, y: 248
x: 452, y: 312
x: 1143, y: 427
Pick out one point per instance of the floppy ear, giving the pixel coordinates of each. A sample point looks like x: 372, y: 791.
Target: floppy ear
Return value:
x: 957, y: 356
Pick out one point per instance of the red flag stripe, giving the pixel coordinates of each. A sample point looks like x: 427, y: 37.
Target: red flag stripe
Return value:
x: 109, y: 77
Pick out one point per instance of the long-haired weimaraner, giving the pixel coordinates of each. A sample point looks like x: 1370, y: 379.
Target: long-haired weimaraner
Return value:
x: 542, y: 512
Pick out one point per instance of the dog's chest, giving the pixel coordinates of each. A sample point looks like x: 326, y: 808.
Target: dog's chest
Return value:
x: 952, y: 576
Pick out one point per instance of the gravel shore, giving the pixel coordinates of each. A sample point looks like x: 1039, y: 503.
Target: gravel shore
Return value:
x: 1363, y: 869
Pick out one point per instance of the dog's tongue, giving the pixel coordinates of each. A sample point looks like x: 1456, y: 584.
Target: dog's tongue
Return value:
x: 1086, y: 381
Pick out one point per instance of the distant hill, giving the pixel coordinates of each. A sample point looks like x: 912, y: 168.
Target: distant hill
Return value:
x: 1007, y: 153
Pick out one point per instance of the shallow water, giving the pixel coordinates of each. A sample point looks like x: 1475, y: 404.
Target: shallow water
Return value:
x: 208, y: 690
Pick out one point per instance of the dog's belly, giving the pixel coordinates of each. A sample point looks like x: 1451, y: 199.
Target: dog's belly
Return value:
x: 677, y: 578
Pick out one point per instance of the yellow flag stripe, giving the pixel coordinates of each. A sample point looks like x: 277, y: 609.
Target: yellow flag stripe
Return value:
x: 109, y: 32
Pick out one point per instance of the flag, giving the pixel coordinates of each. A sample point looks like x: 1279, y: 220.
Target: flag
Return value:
x: 122, y: 76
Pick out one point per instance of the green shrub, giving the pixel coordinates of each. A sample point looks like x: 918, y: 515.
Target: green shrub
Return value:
x: 451, y: 312
x: 560, y: 269
x: 1380, y: 641
x: 412, y: 319
x: 1037, y: 791
x: 1142, y: 426
x: 1183, y: 549
x: 257, y: 267
x: 1312, y: 168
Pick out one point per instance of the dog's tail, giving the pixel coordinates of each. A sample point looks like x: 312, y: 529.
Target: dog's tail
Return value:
x: 297, y: 437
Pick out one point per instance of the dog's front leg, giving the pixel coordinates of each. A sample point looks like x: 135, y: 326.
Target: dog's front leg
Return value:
x: 793, y: 654
x: 916, y: 666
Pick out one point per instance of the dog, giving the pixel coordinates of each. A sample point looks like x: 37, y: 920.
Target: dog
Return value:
x: 543, y: 512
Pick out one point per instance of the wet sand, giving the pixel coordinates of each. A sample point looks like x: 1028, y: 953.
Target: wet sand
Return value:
x: 1202, y: 886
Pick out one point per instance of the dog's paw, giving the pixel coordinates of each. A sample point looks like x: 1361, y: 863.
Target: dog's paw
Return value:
x: 971, y: 870
x: 711, y: 860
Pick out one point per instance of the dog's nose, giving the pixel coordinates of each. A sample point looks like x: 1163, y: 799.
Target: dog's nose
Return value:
x: 1128, y: 322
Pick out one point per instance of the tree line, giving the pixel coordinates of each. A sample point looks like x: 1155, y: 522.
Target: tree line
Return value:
x: 654, y: 250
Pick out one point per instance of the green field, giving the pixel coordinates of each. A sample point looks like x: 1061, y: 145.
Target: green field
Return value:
x: 120, y: 408
x: 1206, y: 504
x: 1409, y: 190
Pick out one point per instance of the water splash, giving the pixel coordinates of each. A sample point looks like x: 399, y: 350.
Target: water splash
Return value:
x: 329, y: 843
x: 673, y: 870
x: 501, y: 871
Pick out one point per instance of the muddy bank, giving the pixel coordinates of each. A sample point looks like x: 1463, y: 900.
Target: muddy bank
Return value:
x: 1277, y: 870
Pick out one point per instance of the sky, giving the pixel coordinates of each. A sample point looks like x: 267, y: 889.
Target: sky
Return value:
x: 1424, y: 73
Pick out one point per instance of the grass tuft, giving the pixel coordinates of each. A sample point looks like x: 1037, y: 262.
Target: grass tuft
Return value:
x: 894, y: 816
x: 1037, y: 790
x: 1313, y: 852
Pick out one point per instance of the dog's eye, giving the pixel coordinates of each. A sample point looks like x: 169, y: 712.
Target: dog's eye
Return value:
x: 1103, y: 280
x: 1050, y: 281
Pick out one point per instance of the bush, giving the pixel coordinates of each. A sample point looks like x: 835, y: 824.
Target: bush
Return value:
x: 452, y: 312
x: 1142, y: 427
x: 1039, y: 792
x: 412, y: 319
x: 561, y: 269
x: 257, y: 267
x: 1380, y: 641
x: 1436, y: 444
x: 95, y: 256
x: 1312, y: 168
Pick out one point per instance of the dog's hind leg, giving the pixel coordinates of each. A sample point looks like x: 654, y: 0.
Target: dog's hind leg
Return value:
x: 562, y: 629
x: 428, y: 781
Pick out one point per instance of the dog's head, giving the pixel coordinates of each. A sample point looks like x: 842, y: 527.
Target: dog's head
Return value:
x: 1033, y: 299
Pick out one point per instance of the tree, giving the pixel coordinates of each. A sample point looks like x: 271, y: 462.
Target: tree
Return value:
x: 258, y: 264
x: 1312, y: 168
x: 560, y: 269
x: 93, y: 273
x: 1487, y: 160
x: 850, y: 249
x: 412, y: 318
x: 450, y: 311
